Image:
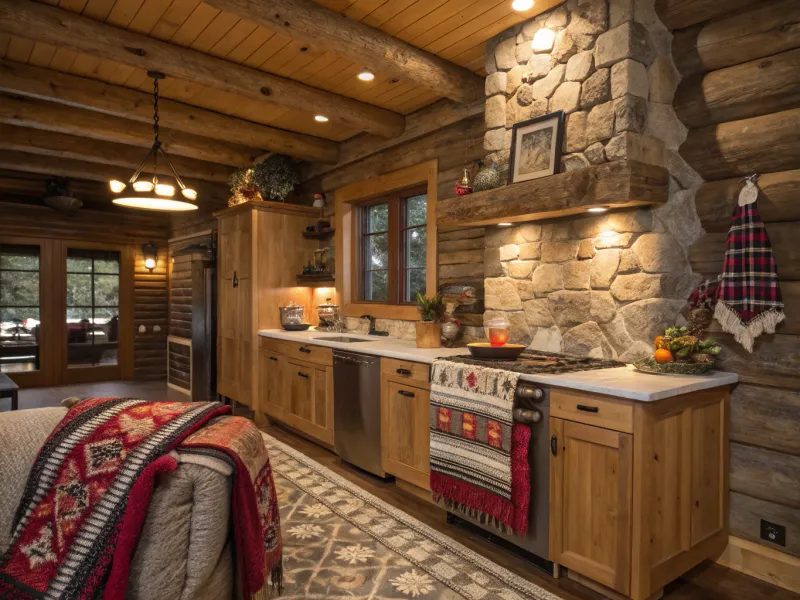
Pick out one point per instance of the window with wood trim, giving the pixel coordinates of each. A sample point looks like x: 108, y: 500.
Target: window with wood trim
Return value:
x: 392, y: 247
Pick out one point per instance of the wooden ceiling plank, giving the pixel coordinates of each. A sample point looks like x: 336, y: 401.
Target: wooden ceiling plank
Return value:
x: 5, y: 40
x: 76, y: 6
x: 147, y: 17
x: 360, y: 9
x: 216, y: 30
x: 114, y: 73
x: 416, y: 104
x: 263, y: 53
x: 191, y: 29
x: 123, y: 12
x: 278, y: 60
x: 42, y: 54
x: 299, y: 61
x: 480, y: 35
x: 435, y: 19
x: 249, y: 45
x: 346, y: 75
x: 98, y: 9
x: 63, y: 59
x: 32, y: 112
x: 130, y: 104
x: 78, y: 169
x: 412, y: 14
x: 19, y: 49
x: 308, y: 22
x: 484, y: 19
x: 60, y: 145
x: 386, y: 11
x: 234, y: 37
x: 85, y: 66
x: 173, y: 18
x: 408, y: 96
x: 63, y: 28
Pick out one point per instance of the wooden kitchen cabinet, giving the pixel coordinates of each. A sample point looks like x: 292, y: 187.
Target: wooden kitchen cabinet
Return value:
x: 638, y: 490
x: 310, y: 399
x: 405, y: 418
x: 273, y: 395
x: 256, y: 275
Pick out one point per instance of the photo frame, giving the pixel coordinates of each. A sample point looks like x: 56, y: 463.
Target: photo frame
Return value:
x: 536, y: 147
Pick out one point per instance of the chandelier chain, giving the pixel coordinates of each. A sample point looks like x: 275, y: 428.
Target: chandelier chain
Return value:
x: 155, y: 108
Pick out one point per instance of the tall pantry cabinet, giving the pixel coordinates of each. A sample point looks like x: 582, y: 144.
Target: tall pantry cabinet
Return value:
x: 261, y: 252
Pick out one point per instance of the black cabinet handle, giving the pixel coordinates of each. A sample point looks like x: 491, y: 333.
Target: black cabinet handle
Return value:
x: 303, y: 375
x: 273, y: 358
x: 554, y: 445
x: 306, y: 350
x: 235, y: 280
x: 585, y: 408
x: 405, y: 393
x: 403, y: 372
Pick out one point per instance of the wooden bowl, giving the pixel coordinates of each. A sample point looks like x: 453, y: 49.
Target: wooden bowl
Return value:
x: 486, y: 350
x: 296, y: 326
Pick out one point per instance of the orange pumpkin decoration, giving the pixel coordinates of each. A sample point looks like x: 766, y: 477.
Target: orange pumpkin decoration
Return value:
x: 662, y: 355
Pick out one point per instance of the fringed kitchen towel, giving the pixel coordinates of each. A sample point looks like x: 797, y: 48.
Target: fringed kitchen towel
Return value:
x: 748, y: 298
x: 479, y: 456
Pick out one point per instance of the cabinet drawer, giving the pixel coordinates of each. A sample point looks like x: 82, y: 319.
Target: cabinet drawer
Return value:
x: 592, y: 409
x: 310, y: 353
x: 272, y: 344
x: 404, y: 369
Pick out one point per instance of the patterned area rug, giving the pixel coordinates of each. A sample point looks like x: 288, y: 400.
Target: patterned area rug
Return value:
x: 342, y: 542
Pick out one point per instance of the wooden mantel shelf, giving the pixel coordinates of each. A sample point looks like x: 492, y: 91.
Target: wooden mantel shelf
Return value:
x: 618, y: 184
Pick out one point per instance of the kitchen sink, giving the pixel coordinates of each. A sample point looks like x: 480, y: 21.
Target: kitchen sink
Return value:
x: 343, y: 339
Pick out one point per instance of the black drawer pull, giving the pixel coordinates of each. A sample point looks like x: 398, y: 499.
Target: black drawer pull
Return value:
x: 585, y: 408
x: 554, y: 445
x: 304, y: 375
x: 406, y: 394
x: 306, y: 350
x: 273, y: 358
x: 403, y: 371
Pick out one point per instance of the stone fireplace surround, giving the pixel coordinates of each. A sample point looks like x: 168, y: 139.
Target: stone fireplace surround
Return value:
x: 605, y: 285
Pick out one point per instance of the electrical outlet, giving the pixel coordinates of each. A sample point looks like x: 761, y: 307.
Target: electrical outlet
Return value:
x: 773, y: 533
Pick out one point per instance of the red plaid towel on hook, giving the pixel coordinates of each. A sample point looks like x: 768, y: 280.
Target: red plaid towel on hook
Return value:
x: 748, y: 297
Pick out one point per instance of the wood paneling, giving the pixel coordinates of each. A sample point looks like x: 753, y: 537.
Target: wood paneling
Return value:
x: 766, y: 417
x: 677, y: 14
x: 747, y: 513
x: 765, y: 474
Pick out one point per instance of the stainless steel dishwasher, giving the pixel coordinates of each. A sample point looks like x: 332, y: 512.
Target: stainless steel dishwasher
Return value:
x: 357, y: 410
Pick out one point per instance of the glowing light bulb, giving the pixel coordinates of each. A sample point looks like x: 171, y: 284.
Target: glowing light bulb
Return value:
x: 116, y: 186
x: 522, y: 5
x: 321, y: 119
x: 149, y: 263
x: 597, y: 209
x: 189, y: 193
x: 163, y: 189
x: 143, y: 186
x: 543, y: 40
x: 504, y: 224
x: 366, y: 75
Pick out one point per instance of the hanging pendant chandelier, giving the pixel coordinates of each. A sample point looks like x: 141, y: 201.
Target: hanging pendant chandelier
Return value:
x: 152, y: 194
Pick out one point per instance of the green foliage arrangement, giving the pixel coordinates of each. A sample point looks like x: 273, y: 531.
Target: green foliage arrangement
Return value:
x: 275, y: 177
x: 431, y: 309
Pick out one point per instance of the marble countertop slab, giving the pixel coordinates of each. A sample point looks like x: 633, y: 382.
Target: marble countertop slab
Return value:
x: 622, y: 382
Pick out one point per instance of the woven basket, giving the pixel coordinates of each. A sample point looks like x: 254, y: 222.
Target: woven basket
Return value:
x: 650, y: 365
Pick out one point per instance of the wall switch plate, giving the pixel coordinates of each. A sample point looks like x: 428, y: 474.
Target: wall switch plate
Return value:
x: 773, y: 533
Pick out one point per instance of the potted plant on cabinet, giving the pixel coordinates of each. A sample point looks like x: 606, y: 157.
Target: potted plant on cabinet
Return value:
x: 429, y: 330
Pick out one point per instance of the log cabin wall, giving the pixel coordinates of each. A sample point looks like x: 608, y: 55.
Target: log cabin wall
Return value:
x: 455, y: 145
x: 740, y: 99
x: 32, y: 219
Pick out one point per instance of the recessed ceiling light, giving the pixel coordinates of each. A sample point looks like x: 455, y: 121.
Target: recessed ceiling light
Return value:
x: 597, y: 209
x: 522, y: 5
x: 321, y: 118
x: 366, y: 75
x: 504, y: 224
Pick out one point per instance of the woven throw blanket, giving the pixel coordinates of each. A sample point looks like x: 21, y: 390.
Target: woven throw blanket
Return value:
x: 749, y: 299
x: 479, y: 456
x: 87, y: 497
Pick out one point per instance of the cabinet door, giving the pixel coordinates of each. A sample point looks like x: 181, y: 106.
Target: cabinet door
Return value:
x: 228, y: 354
x: 235, y: 240
x: 310, y: 399
x: 407, y: 441
x: 590, y: 502
x: 272, y: 394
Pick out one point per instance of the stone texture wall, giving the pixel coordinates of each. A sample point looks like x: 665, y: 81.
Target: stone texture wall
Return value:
x: 601, y: 285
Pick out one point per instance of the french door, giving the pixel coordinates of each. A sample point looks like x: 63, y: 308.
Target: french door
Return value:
x: 66, y: 311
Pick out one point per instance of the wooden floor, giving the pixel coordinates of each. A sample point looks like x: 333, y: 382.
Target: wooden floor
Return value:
x: 706, y: 582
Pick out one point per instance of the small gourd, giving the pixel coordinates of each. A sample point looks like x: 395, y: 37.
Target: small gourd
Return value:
x: 486, y: 179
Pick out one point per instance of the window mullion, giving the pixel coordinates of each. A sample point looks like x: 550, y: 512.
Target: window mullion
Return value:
x: 394, y: 250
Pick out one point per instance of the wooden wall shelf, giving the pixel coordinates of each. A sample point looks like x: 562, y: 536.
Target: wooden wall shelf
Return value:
x: 328, y: 280
x: 322, y: 234
x: 619, y: 184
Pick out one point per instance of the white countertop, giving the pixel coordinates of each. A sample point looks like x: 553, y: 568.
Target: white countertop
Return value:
x: 623, y: 382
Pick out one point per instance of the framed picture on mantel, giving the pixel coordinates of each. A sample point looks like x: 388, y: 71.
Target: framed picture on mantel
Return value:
x: 536, y: 147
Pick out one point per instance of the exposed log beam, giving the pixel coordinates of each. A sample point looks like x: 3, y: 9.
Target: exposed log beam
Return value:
x: 737, y: 148
x: 422, y: 122
x: 312, y: 23
x: 62, y: 28
x: 115, y: 100
x: 32, y: 185
x: 30, y: 112
x: 754, y: 88
x: 764, y: 29
x: 61, y: 145
x: 677, y: 14
x: 78, y: 169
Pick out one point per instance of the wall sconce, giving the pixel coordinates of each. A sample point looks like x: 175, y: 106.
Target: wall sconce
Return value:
x: 543, y: 40
x: 150, y: 253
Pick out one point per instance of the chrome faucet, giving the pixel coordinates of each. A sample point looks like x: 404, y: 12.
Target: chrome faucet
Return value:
x: 372, y: 330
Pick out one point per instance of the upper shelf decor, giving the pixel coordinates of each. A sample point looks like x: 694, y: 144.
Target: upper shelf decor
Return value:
x: 153, y: 194
x: 272, y: 179
x: 618, y: 184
